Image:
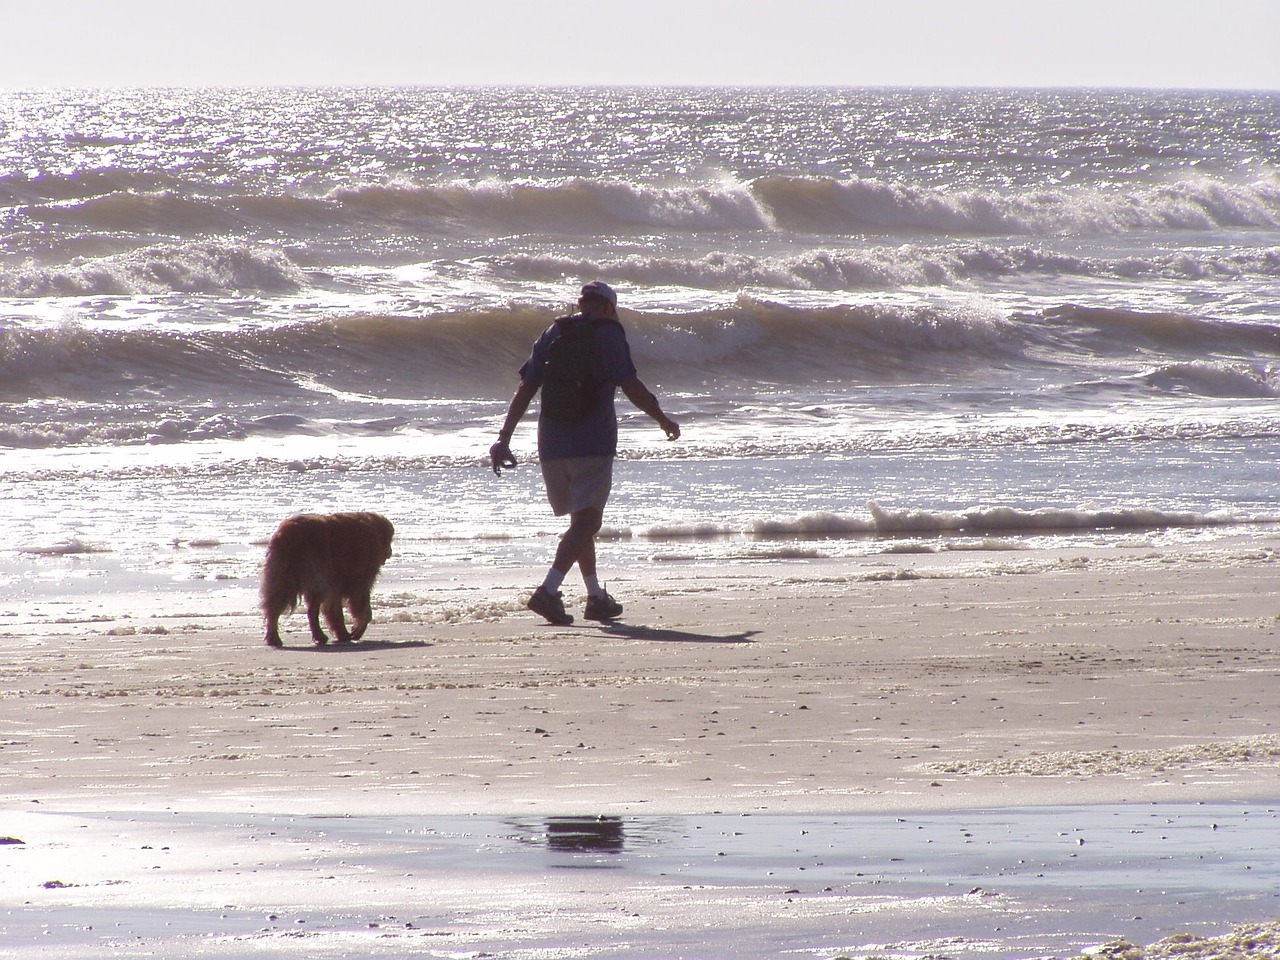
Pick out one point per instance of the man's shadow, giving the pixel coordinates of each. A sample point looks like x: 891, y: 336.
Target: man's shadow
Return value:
x: 638, y: 631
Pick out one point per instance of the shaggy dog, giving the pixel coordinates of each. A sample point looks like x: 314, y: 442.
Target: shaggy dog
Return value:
x: 328, y: 559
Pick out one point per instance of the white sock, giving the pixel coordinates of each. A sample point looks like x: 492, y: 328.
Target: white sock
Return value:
x: 593, y: 585
x: 553, y: 581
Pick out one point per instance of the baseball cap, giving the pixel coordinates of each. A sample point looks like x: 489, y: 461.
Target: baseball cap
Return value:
x: 598, y: 288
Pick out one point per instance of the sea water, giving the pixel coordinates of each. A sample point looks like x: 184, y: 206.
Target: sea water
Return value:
x: 882, y: 317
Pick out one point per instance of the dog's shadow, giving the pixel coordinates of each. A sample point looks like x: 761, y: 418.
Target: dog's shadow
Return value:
x: 638, y: 631
x: 359, y: 646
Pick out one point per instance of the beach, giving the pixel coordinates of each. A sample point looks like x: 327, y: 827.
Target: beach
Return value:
x: 939, y: 686
x: 906, y: 682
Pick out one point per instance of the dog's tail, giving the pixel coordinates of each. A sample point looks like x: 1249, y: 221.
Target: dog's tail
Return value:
x: 281, y: 586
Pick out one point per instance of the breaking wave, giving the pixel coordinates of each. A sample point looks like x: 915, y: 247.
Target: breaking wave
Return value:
x: 839, y: 205
x: 1109, y: 329
x: 480, y: 349
x: 1013, y: 520
x: 979, y: 521
x: 475, y: 352
x: 166, y: 268
x: 804, y: 205
x: 1215, y: 380
x: 234, y: 267
x: 881, y: 267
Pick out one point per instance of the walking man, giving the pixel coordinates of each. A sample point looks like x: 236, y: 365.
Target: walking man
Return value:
x: 578, y: 363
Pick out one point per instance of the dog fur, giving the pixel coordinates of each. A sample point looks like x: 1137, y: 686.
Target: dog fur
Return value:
x: 328, y: 560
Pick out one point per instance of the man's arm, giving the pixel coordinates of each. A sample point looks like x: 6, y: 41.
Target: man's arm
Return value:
x: 500, y: 453
x: 647, y: 403
x: 515, y: 411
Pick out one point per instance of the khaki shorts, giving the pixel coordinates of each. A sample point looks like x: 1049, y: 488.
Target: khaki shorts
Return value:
x: 576, y: 483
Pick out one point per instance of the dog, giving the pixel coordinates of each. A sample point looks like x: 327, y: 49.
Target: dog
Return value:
x: 327, y: 559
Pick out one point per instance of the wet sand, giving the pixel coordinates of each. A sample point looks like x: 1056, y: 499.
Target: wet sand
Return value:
x: 902, y: 687
x: 1041, y: 881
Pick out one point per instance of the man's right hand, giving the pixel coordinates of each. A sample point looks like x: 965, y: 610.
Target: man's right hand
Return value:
x: 500, y: 456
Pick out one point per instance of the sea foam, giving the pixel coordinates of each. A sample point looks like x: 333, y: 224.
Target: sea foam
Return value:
x: 166, y: 268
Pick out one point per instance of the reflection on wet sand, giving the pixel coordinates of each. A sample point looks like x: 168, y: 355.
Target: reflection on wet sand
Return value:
x: 575, y: 834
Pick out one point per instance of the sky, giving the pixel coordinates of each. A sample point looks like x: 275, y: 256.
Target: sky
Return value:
x: 1217, y: 44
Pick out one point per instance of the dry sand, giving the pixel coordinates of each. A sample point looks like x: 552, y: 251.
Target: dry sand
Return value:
x: 931, y: 682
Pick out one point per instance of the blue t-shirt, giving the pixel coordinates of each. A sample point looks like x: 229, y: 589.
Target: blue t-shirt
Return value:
x: 596, y: 435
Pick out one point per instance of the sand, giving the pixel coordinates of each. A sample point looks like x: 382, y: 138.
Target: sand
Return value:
x: 905, y: 685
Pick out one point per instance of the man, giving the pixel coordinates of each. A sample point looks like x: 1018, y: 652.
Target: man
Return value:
x: 578, y: 437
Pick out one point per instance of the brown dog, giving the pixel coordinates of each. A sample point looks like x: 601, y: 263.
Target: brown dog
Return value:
x: 328, y: 559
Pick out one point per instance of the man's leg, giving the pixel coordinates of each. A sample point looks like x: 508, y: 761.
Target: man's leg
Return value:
x: 587, y: 560
x: 578, y: 545
x: 600, y: 606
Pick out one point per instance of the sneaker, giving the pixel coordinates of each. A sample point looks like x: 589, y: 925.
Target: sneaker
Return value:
x: 602, y: 608
x: 550, y: 607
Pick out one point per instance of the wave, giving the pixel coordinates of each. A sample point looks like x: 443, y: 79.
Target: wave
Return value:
x: 462, y: 352
x: 1215, y: 380
x: 54, y: 188
x: 473, y: 353
x: 141, y: 425
x: 828, y: 205
x: 984, y: 520
x: 1015, y: 520
x: 140, y: 212
x: 461, y: 208
x: 881, y: 521
x: 237, y: 267
x: 565, y: 204
x: 763, y: 340
x: 816, y: 204
x: 1104, y: 330
x: 71, y: 382
x: 378, y: 357
x: 165, y: 268
x: 770, y: 342
x: 880, y: 268
x: 62, y: 548
x: 577, y: 206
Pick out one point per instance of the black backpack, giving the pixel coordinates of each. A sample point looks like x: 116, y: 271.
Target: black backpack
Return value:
x: 571, y: 377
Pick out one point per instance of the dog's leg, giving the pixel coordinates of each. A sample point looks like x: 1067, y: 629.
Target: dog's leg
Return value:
x: 278, y: 594
x: 333, y: 617
x: 361, y: 608
x: 271, y: 611
x: 313, y: 620
x: 273, y: 632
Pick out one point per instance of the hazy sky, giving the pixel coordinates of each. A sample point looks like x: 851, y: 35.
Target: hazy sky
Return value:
x: 1145, y: 43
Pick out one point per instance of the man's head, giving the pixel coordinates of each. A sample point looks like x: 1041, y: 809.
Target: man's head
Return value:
x: 597, y: 297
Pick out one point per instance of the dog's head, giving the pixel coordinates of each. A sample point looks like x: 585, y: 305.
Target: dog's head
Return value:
x: 385, y: 532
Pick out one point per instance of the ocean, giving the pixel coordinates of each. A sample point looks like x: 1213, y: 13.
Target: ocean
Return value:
x: 887, y: 320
